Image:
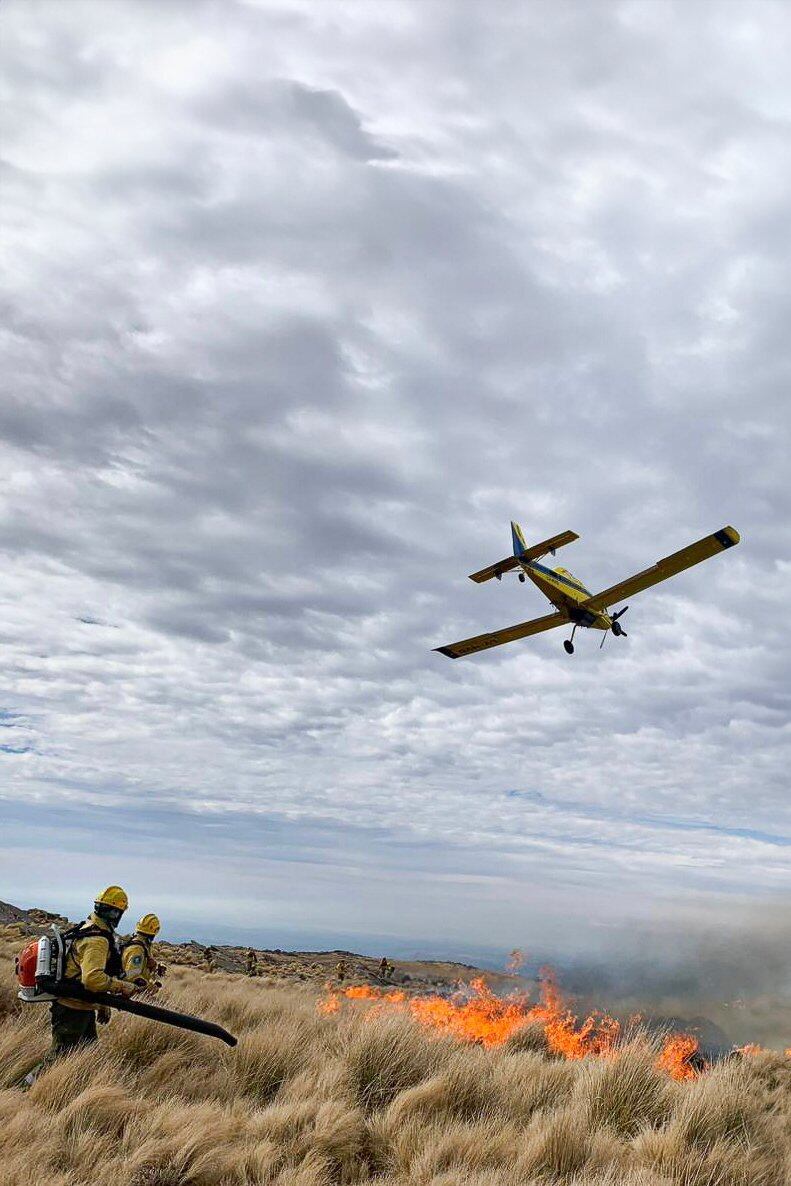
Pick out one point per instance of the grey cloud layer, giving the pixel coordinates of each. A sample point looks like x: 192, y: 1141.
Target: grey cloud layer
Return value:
x: 301, y: 306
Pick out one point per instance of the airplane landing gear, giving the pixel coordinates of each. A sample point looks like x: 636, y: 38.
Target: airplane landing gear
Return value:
x: 568, y: 645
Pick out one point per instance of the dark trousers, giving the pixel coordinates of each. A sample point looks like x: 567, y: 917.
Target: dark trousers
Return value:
x: 70, y: 1028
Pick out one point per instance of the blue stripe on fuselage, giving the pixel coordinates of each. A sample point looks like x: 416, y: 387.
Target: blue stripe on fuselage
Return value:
x: 550, y: 572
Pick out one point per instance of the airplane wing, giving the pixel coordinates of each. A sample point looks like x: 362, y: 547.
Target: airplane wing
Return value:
x: 531, y: 553
x: 703, y: 549
x: 482, y: 642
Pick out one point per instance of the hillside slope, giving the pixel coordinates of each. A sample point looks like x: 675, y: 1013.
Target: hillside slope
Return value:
x: 290, y: 967
x: 358, y: 1096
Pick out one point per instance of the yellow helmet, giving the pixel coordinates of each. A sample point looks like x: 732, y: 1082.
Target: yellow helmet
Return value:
x: 149, y: 925
x: 113, y: 896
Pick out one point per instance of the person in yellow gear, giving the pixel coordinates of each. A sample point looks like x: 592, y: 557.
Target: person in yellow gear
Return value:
x: 137, y: 960
x: 340, y: 971
x: 251, y: 962
x: 94, y: 961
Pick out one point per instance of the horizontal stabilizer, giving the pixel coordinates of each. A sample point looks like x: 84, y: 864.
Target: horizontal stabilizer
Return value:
x: 495, y: 570
x: 530, y: 552
x: 548, y: 545
x: 702, y: 549
x: 482, y: 642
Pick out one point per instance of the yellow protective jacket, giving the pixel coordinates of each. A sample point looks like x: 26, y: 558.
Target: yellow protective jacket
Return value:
x: 138, y: 962
x: 88, y: 960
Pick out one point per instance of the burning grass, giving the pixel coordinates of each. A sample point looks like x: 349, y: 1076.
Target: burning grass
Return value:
x: 476, y: 1014
x: 382, y: 1088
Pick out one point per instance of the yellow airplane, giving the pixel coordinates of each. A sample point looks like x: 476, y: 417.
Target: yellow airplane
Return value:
x: 573, y: 602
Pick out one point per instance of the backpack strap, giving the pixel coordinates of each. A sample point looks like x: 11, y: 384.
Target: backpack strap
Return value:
x: 91, y: 931
x: 70, y: 932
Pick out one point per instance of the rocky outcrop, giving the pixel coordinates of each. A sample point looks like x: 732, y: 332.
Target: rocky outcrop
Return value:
x: 33, y: 919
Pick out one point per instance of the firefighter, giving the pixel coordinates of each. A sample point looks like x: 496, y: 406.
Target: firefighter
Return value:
x: 94, y: 960
x: 340, y: 971
x: 251, y: 962
x: 139, y: 965
x: 384, y: 968
x: 210, y: 955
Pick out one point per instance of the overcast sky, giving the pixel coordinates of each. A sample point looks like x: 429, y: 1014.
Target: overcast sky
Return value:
x: 302, y: 301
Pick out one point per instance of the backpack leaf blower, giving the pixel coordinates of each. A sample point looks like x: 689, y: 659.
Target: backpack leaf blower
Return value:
x: 39, y: 969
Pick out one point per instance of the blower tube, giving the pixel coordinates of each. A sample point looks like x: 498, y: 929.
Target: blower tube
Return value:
x: 182, y: 1021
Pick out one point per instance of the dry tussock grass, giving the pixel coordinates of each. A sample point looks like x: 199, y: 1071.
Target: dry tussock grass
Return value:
x: 306, y: 1100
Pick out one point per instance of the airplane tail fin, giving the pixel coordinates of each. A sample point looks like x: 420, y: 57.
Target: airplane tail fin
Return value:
x: 518, y: 539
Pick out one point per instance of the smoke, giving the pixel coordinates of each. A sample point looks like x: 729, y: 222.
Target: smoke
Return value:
x: 729, y: 977
x: 515, y: 961
x: 746, y: 957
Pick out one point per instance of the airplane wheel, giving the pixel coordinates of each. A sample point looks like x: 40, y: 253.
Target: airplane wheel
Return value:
x: 521, y: 578
x: 568, y: 647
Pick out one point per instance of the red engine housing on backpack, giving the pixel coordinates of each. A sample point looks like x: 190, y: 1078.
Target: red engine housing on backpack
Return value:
x: 38, y: 965
x: 26, y: 963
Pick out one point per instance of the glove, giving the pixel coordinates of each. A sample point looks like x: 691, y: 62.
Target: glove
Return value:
x: 103, y: 1014
x: 161, y: 969
x: 124, y: 988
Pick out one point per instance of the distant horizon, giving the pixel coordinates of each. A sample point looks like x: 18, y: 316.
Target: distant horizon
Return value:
x: 183, y: 931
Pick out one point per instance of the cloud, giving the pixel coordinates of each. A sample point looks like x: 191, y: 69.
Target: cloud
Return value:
x: 253, y: 108
x: 301, y: 307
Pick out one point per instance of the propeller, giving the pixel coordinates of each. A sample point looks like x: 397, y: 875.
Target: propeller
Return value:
x: 615, y: 626
x: 617, y: 629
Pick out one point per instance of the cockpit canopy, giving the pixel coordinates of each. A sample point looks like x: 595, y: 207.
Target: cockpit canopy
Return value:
x: 570, y: 577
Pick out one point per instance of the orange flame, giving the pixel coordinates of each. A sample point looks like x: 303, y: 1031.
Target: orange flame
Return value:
x: 677, y: 1054
x: 364, y: 992
x: 330, y: 1002
x: 476, y: 1014
x: 483, y: 1017
x: 330, y: 1005
x: 598, y: 1033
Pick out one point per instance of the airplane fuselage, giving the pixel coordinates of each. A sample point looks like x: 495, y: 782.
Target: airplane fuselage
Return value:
x: 566, y: 593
